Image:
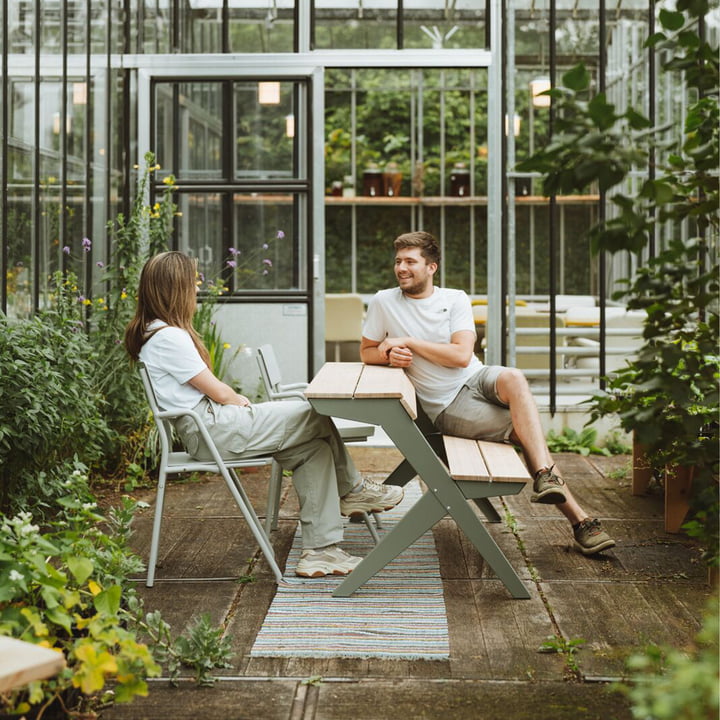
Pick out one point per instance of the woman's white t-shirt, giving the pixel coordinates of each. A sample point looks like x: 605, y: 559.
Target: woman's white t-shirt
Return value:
x: 172, y: 359
x: 392, y: 314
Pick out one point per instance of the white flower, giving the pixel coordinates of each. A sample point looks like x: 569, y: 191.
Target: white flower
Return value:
x: 15, y: 576
x: 89, y: 506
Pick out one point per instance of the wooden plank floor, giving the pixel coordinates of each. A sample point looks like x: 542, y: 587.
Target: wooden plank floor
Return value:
x: 650, y: 588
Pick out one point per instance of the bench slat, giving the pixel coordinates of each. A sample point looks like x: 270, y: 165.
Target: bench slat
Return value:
x: 483, y: 461
x: 503, y: 462
x: 465, y: 460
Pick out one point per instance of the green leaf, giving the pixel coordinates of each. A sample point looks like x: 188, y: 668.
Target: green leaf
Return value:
x: 59, y: 616
x: 80, y: 567
x: 671, y: 20
x: 107, y: 602
x: 577, y: 78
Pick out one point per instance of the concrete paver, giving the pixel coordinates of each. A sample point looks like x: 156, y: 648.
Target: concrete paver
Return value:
x: 650, y: 588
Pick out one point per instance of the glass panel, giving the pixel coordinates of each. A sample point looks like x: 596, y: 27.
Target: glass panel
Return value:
x: 435, y: 25
x: 200, y: 231
x: 355, y: 24
x: 338, y: 249
x: 265, y: 130
x: 20, y: 26
x: 262, y: 252
x: 19, y: 234
x: 266, y: 253
x: 201, y: 27
x: 200, y: 118
x: 155, y: 26
x: 375, y: 235
x: 199, y: 131
x: 258, y: 26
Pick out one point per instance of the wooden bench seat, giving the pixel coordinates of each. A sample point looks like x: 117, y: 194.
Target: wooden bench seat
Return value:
x: 482, y: 461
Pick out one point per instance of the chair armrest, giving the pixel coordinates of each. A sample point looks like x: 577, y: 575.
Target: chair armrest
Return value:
x: 286, y: 395
x: 167, y: 415
x: 292, y: 386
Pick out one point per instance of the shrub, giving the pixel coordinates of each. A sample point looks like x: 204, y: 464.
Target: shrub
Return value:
x: 50, y: 410
x: 67, y: 587
x: 669, y: 684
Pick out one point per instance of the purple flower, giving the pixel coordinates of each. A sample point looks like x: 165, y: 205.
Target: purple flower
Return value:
x: 267, y: 262
x: 81, y: 298
x: 233, y: 251
x: 86, y: 244
x: 231, y: 264
x: 265, y: 246
x: 100, y: 263
x: 280, y: 235
x: 66, y: 250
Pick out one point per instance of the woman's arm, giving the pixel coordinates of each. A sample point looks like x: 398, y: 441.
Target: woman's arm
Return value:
x: 217, y: 390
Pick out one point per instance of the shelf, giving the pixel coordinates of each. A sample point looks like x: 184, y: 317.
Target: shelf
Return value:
x: 449, y: 201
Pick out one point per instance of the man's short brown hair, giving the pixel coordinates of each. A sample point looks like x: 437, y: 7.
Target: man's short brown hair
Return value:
x: 429, y: 248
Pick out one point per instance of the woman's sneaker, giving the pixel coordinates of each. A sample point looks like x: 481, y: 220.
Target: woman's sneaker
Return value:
x: 548, y: 488
x: 330, y: 560
x: 372, y: 497
x: 590, y: 538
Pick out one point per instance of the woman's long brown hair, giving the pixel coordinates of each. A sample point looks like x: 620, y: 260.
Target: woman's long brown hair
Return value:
x: 166, y: 292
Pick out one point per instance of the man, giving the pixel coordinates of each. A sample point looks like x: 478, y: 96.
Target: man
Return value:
x: 430, y: 332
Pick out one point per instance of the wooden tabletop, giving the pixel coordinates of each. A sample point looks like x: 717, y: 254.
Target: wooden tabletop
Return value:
x: 345, y: 380
x: 22, y: 662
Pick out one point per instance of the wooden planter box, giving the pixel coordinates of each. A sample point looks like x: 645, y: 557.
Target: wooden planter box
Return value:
x: 677, y: 482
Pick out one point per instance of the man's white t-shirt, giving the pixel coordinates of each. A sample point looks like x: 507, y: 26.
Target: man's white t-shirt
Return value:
x: 172, y: 359
x: 392, y: 314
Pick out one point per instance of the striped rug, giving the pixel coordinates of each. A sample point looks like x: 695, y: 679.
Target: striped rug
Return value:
x: 399, y: 613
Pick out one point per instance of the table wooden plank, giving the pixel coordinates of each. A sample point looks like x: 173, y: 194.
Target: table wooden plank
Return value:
x: 22, y: 662
x: 465, y: 459
x: 504, y: 466
x: 335, y: 380
x: 379, y: 381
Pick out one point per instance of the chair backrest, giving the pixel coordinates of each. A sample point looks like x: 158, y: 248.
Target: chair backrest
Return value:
x: 269, y: 369
x: 343, y: 317
x: 163, y: 426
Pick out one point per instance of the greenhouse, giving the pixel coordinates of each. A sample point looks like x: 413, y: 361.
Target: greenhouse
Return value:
x: 564, y: 155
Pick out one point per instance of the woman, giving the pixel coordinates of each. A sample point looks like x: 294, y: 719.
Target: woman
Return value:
x: 328, y: 485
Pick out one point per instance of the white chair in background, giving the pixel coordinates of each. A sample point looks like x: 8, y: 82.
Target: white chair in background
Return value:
x: 623, y: 338
x: 173, y: 463
x: 343, y: 321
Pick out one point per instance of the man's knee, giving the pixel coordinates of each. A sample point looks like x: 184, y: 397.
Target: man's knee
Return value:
x: 510, y: 383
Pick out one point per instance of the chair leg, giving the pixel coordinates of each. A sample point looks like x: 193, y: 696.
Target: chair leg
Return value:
x: 157, y: 522
x: 252, y: 520
x: 273, y: 501
x: 373, y: 532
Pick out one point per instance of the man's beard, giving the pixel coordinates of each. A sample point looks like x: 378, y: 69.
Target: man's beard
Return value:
x: 417, y: 288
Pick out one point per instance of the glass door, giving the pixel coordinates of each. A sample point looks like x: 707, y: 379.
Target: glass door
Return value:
x: 237, y: 146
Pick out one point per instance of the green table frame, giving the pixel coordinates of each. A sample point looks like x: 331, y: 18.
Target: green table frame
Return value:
x: 445, y: 496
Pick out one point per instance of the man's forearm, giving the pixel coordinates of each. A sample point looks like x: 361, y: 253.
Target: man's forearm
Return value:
x: 373, y: 356
x: 445, y: 354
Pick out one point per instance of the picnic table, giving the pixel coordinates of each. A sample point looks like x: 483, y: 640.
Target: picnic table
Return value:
x: 385, y: 396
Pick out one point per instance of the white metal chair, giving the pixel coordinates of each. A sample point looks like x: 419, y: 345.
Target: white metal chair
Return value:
x: 172, y: 463
x: 349, y: 431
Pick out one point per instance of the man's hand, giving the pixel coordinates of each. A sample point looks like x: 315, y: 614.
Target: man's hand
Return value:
x: 397, y: 352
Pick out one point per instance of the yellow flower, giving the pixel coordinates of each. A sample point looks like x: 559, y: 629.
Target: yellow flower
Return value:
x: 87, y: 301
x: 123, y: 295
x: 168, y: 180
x: 226, y: 346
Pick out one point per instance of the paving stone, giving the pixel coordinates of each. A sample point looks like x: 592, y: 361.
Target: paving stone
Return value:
x: 464, y: 700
